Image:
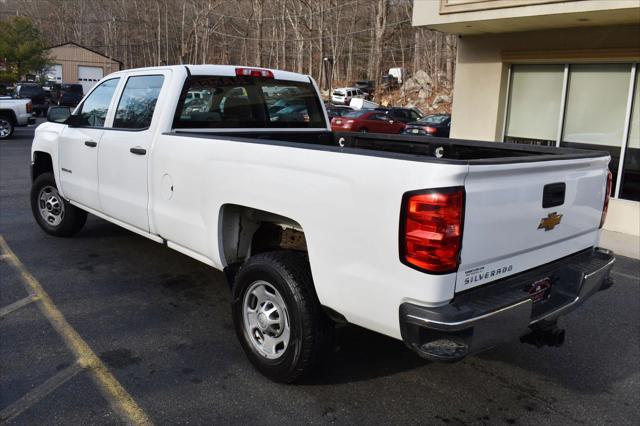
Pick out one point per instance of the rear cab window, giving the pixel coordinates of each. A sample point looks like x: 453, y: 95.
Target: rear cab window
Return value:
x: 248, y: 102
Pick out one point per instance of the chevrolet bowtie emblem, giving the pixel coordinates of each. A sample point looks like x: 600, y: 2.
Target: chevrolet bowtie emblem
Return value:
x: 550, y: 222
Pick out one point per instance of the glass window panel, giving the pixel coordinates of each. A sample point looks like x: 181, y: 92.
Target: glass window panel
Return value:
x: 596, y: 108
x: 248, y: 102
x: 138, y: 101
x: 630, y: 187
x: 534, y: 102
x: 93, y: 110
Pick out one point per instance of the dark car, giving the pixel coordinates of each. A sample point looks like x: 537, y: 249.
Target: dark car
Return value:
x: 37, y: 95
x: 366, y: 121
x: 337, y: 111
x: 367, y: 86
x: 430, y: 125
x: 69, y: 95
x: 405, y: 115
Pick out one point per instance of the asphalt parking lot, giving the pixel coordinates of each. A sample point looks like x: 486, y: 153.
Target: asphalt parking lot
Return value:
x: 160, y: 327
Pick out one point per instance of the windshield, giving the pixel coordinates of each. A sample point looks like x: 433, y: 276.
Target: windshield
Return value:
x: 356, y: 114
x: 434, y: 119
x: 75, y: 88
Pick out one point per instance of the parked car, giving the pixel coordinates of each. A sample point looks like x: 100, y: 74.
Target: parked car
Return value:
x: 366, y: 121
x: 70, y: 94
x: 367, y: 86
x: 431, y: 125
x: 36, y: 93
x: 405, y: 115
x: 14, y: 113
x: 451, y: 247
x: 343, y: 96
x: 389, y: 82
x: 337, y: 110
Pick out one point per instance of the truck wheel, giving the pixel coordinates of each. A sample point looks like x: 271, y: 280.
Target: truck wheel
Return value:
x: 277, y: 316
x: 6, y: 127
x: 54, y: 214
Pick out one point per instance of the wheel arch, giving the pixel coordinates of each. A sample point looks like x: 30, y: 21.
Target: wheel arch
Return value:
x: 246, y: 231
x: 42, y: 163
x: 10, y: 114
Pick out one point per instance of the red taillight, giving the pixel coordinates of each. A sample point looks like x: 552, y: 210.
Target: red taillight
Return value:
x: 253, y: 72
x: 29, y: 107
x: 607, y: 196
x: 430, y: 129
x: 431, y: 229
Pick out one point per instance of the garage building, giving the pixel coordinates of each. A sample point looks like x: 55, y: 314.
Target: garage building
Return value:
x: 73, y: 63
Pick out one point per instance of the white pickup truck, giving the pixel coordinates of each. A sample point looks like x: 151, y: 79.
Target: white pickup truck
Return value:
x: 14, y: 113
x: 452, y: 246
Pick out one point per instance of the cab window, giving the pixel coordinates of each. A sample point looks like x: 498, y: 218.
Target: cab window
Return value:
x: 247, y: 102
x: 93, y: 110
x: 138, y: 102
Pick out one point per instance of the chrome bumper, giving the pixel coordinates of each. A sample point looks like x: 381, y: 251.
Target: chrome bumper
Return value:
x: 481, y: 318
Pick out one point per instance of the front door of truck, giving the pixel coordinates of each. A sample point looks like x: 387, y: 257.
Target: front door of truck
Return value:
x: 78, y: 146
x: 124, y: 151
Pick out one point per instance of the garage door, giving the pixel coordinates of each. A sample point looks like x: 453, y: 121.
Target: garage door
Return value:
x: 88, y: 77
x: 55, y: 73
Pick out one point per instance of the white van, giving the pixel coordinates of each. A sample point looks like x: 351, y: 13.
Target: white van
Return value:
x: 343, y: 96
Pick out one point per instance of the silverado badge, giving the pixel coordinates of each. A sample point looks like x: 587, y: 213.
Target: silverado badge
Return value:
x: 550, y: 222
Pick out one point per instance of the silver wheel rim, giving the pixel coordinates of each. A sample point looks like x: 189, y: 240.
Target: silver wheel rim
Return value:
x: 266, y: 320
x: 5, y: 128
x: 51, y: 205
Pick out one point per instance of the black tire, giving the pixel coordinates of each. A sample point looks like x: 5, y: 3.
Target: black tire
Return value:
x: 72, y: 218
x: 311, y: 331
x: 7, y: 127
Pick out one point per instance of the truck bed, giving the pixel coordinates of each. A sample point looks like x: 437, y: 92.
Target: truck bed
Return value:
x: 411, y: 148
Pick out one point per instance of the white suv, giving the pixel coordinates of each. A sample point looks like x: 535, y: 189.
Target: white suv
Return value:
x: 344, y: 95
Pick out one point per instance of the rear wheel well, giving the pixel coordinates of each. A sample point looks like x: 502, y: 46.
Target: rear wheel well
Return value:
x: 42, y: 163
x: 245, y: 231
x: 8, y: 114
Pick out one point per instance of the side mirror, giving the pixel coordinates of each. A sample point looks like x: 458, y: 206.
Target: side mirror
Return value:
x: 58, y: 114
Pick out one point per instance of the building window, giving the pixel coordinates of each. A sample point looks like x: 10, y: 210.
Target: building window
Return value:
x: 536, y: 91
x: 581, y: 106
x: 596, y: 108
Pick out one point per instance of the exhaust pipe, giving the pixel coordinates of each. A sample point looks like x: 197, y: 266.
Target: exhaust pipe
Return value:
x: 539, y: 337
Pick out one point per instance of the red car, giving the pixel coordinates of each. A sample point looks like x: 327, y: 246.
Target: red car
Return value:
x: 366, y: 121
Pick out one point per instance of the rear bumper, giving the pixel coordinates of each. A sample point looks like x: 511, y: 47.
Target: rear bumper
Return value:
x: 501, y: 311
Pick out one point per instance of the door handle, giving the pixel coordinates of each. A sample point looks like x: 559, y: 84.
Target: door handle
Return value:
x: 138, y: 151
x: 91, y: 144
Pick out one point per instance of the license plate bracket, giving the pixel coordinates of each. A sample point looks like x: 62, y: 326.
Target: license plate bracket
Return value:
x: 540, y: 290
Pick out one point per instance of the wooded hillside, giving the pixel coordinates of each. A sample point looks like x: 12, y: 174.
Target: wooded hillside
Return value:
x: 364, y: 38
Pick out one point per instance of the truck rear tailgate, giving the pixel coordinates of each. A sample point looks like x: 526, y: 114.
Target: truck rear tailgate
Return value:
x: 525, y: 214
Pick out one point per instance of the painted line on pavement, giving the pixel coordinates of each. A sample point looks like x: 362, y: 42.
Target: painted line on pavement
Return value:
x: 17, y: 305
x: 636, y: 278
x: 117, y: 396
x: 39, y: 393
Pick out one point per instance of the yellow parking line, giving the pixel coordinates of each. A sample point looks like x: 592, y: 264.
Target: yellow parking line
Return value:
x: 39, y: 393
x: 17, y: 305
x: 119, y: 399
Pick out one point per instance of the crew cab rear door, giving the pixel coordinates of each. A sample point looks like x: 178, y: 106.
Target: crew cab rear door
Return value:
x: 525, y: 214
x: 125, y: 148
